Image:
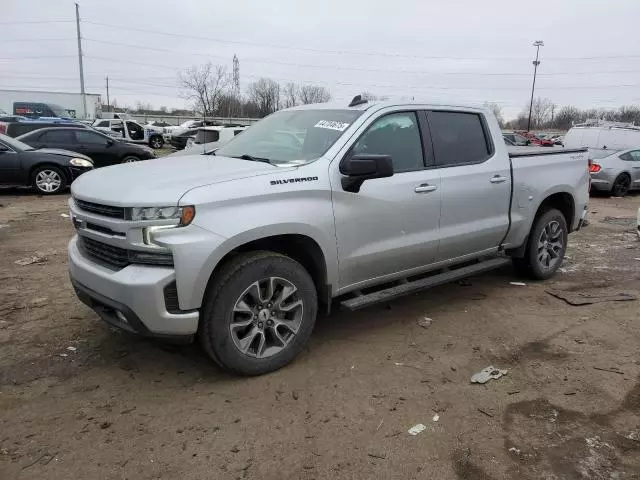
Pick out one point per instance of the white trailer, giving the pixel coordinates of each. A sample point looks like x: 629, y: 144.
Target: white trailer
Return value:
x: 70, y: 102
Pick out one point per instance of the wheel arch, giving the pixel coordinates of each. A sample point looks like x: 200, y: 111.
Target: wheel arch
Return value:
x: 62, y: 168
x: 301, y: 247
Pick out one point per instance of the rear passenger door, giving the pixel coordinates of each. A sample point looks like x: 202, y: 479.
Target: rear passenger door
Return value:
x: 391, y: 225
x: 475, y: 183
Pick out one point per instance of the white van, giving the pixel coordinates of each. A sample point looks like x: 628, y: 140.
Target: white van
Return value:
x: 603, y: 138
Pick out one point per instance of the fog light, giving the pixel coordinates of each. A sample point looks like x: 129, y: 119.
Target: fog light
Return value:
x: 121, y: 317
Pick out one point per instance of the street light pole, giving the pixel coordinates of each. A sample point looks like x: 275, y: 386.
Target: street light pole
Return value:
x: 536, y: 62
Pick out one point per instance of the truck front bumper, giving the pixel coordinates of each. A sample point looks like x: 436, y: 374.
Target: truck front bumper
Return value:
x: 132, y: 298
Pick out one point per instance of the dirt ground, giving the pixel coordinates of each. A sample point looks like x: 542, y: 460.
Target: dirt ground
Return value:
x: 80, y: 401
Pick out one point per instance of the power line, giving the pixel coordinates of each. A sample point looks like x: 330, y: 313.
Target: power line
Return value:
x: 26, y: 40
x: 35, y: 22
x: 342, y: 52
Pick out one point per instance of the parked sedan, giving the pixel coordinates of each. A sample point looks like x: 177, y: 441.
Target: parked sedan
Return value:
x: 101, y: 148
x: 617, y: 173
x: 48, y: 171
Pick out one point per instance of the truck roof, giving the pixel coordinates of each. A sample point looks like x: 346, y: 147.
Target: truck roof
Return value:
x: 377, y: 104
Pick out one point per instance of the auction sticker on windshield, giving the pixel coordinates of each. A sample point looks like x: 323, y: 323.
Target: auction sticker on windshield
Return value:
x: 331, y: 125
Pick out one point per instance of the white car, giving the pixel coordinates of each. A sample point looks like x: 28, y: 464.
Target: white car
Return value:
x: 157, y: 127
x: 130, y: 131
x: 208, y: 139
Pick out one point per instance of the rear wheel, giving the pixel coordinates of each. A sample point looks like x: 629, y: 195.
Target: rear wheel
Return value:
x: 259, y: 313
x: 48, y: 180
x: 621, y: 185
x: 546, y: 246
x: 156, y: 141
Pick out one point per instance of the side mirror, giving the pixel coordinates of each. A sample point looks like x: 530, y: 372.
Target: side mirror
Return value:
x: 110, y: 143
x: 360, y: 167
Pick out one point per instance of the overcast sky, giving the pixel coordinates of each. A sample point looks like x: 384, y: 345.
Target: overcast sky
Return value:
x: 466, y: 50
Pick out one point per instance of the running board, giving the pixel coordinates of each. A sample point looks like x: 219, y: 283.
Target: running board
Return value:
x: 391, y: 293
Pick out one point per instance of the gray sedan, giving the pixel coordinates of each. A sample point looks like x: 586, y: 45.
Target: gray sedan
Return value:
x: 617, y: 172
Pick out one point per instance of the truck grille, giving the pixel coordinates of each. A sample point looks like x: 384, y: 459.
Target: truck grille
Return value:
x: 114, y: 256
x: 120, y: 257
x: 105, y: 210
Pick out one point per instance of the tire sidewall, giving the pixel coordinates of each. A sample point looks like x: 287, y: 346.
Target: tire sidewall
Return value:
x: 63, y: 185
x: 130, y: 159
x: 532, y: 255
x: 219, y: 305
x: 615, y: 182
x: 159, y: 139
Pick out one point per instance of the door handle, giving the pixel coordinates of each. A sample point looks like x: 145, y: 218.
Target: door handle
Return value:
x: 498, y: 179
x: 425, y: 187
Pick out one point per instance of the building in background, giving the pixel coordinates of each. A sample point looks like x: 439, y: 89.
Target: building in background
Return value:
x: 70, y: 102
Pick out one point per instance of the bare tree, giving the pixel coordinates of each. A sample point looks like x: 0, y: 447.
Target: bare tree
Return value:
x: 265, y: 94
x: 290, y: 95
x: 313, y: 94
x: 566, y: 117
x: 204, y: 85
x: 540, y: 112
x: 497, y: 112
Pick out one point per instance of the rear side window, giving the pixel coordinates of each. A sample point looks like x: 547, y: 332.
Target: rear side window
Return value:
x: 207, y: 136
x: 57, y: 136
x: 458, y: 138
x: 90, y: 137
x: 103, y: 123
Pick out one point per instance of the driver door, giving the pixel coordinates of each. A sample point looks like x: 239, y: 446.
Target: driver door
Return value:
x: 390, y: 227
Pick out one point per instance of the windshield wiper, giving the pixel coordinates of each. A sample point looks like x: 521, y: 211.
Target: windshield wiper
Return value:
x: 253, y: 159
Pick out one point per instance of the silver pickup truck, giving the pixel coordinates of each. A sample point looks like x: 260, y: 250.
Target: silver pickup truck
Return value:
x: 362, y: 203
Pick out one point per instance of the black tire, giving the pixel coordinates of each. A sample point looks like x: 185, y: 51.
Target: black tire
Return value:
x: 621, y: 185
x: 156, y: 141
x: 130, y: 159
x: 229, y: 288
x: 532, y: 265
x: 48, y: 180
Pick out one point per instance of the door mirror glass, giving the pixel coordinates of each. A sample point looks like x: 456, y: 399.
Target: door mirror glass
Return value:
x: 360, y: 167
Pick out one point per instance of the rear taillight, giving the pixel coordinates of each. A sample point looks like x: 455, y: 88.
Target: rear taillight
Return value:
x: 3, y: 127
x: 594, y: 167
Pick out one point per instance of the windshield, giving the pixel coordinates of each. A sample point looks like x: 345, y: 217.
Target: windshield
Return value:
x: 15, y: 144
x: 58, y: 110
x: 291, y: 135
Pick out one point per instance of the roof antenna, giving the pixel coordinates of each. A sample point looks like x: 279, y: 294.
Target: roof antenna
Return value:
x: 357, y: 100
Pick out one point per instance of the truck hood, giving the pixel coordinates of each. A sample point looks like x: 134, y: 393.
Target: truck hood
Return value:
x: 162, y: 181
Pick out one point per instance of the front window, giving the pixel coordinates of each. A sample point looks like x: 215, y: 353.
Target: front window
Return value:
x: 287, y: 136
x: 207, y: 136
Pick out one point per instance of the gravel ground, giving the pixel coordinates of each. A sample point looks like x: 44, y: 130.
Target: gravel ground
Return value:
x: 80, y: 401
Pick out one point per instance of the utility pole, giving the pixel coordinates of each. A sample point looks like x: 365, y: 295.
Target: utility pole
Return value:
x: 84, y: 98
x: 108, y: 104
x: 536, y: 62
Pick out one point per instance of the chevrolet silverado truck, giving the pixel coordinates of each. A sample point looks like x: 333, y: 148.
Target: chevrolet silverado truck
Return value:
x: 358, y: 204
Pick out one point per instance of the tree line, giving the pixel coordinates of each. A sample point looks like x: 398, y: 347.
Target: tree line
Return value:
x: 547, y: 115
x: 212, y: 92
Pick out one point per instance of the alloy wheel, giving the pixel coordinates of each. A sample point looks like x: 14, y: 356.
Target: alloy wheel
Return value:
x: 266, y: 317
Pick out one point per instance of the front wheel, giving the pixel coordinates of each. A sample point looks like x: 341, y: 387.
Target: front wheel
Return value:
x: 546, y: 246
x: 156, y: 141
x: 259, y: 313
x: 48, y: 180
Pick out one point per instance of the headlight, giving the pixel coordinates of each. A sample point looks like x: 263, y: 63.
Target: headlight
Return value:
x: 80, y: 162
x: 184, y: 214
